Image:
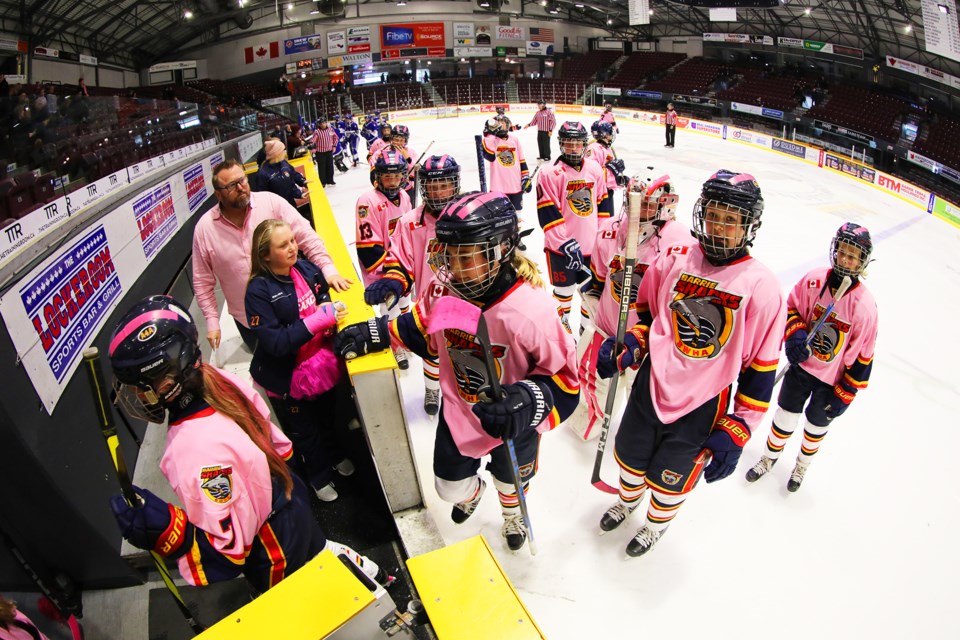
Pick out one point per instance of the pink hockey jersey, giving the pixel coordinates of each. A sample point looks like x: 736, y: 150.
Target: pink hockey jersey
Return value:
x: 377, y: 145
x: 608, y: 263
x: 711, y: 326
x: 845, y: 342
x: 376, y: 218
x: 221, y: 477
x: 527, y: 340
x: 602, y: 155
x: 567, y: 204
x: 505, y: 162
x: 607, y: 116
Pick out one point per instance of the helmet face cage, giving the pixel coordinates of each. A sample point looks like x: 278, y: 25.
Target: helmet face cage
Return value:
x: 401, y: 132
x: 439, y: 172
x: 476, y: 233
x: 851, y: 239
x: 153, y: 354
x: 651, y: 196
x: 572, y: 138
x: 495, y: 126
x: 389, y: 162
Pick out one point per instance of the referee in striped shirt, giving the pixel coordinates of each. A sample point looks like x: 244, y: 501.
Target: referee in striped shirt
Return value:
x: 324, y: 141
x: 546, y: 122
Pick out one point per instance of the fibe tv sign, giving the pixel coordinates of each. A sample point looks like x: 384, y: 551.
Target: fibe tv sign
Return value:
x: 397, y: 36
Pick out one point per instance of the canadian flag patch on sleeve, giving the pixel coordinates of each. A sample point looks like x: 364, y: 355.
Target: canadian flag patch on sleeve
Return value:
x: 677, y: 250
x: 814, y: 283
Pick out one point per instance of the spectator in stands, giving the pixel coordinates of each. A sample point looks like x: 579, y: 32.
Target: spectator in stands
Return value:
x: 324, y: 142
x: 546, y: 122
x: 82, y: 87
x: 276, y: 175
x: 222, y: 241
x: 294, y: 141
x: 670, y: 120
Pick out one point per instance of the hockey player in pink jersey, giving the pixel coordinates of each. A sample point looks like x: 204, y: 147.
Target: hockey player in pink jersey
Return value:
x: 709, y: 315
x: 377, y: 215
x: 243, y: 511
x: 505, y: 162
x: 653, y: 198
x: 608, y: 117
x: 386, y: 132
x: 601, y: 151
x: 571, y: 201
x: 826, y: 374
x: 476, y: 257
x: 406, y: 261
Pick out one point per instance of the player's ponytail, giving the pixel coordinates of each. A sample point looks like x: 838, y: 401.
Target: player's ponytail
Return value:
x: 527, y: 269
x: 226, y: 398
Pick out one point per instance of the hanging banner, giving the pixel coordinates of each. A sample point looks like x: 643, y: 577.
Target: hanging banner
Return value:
x: 336, y: 42
x: 358, y: 39
x: 349, y: 59
x: 926, y: 72
x: 463, y: 35
x: 639, y: 11
x: 821, y: 47
x: 738, y: 38
x: 414, y: 34
x: 511, y: 33
x: 539, y: 48
x: 303, y: 43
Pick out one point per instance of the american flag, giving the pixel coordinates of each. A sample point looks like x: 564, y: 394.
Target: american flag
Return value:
x: 541, y: 35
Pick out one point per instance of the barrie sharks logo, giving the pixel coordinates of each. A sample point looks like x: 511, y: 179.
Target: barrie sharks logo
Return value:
x: 580, y: 197
x: 217, y: 483
x: 828, y: 341
x: 470, y: 371
x: 703, y: 316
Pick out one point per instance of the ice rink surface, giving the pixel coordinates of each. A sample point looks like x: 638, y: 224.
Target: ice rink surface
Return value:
x: 866, y: 549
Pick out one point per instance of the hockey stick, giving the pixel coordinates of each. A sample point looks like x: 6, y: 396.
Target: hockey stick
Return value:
x: 454, y: 313
x: 91, y: 358
x: 841, y: 291
x: 626, y: 293
x: 416, y: 178
x: 481, y: 166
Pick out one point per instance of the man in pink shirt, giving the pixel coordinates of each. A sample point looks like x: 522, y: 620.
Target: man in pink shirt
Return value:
x: 222, y: 243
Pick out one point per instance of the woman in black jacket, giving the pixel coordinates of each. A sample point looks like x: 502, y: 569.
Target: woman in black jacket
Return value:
x: 289, y: 310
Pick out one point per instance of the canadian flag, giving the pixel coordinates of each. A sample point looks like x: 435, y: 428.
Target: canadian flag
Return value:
x: 261, y: 52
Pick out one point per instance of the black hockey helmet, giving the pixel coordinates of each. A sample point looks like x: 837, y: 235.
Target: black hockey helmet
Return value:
x: 386, y: 131
x: 439, y: 170
x: 153, y: 354
x: 389, y: 161
x: 487, y: 222
x: 727, y: 192
x: 500, y: 110
x: 496, y: 127
x: 571, y: 136
x: 402, y: 131
x: 851, y: 235
x: 604, y: 132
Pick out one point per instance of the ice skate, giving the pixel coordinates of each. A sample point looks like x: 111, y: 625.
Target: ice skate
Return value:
x: 384, y: 579
x: 615, y: 516
x: 431, y: 401
x: 760, y: 469
x: 401, y: 356
x: 463, y: 510
x: 345, y: 467
x: 327, y: 493
x: 643, y: 541
x: 796, y: 477
x: 514, y: 531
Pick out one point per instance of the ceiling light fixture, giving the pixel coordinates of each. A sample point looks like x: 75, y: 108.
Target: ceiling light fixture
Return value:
x: 188, y: 14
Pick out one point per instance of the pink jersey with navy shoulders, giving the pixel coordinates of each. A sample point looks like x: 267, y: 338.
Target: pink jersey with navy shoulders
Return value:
x: 528, y: 342
x: 221, y: 477
x: 844, y: 344
x: 608, y: 263
x: 602, y: 154
x: 711, y: 326
x: 375, y: 148
x: 607, y: 116
x: 570, y: 204
x: 505, y: 162
x: 376, y: 217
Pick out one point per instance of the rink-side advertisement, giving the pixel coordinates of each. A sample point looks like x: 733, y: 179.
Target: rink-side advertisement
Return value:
x: 58, y: 309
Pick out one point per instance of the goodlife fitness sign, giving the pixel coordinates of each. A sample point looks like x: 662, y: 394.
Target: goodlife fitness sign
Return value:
x: 420, y: 34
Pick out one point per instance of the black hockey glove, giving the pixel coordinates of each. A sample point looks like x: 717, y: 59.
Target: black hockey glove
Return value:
x: 725, y: 443
x: 362, y: 338
x: 634, y: 349
x: 383, y: 290
x: 526, y: 184
x: 524, y: 406
x: 843, y: 395
x: 154, y: 525
x: 795, y: 346
x: 618, y: 169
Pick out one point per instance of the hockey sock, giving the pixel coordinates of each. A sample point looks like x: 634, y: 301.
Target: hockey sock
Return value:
x: 632, y: 486
x: 368, y: 566
x: 404, y: 305
x: 431, y: 373
x: 663, y: 508
x: 507, y: 493
x: 564, y: 296
x: 812, y: 437
x: 784, y: 424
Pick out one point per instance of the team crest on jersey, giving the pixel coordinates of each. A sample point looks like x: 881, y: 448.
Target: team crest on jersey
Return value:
x: 671, y: 477
x: 506, y: 157
x: 362, y: 211
x: 615, y: 278
x: 392, y: 225
x: 703, y: 316
x: 828, y: 341
x: 580, y: 197
x: 217, y: 483
x: 470, y: 371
